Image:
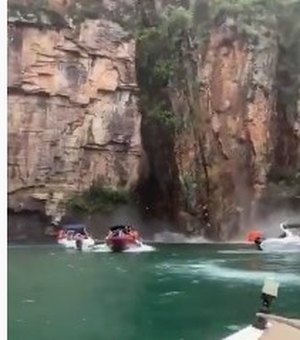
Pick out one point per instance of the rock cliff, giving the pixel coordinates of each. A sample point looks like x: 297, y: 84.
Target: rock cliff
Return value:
x: 194, y: 107
x: 232, y: 145
x: 72, y: 105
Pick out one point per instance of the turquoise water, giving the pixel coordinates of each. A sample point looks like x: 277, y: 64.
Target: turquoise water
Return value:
x: 178, y: 292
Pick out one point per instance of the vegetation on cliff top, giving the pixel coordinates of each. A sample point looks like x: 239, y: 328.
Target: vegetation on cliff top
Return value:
x: 159, y: 61
x: 40, y: 14
x: 37, y: 16
x: 161, y: 45
x: 98, y: 199
x: 161, y: 51
x: 288, y: 81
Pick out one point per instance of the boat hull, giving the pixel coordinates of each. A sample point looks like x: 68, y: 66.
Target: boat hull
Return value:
x: 283, y: 244
x: 119, y: 244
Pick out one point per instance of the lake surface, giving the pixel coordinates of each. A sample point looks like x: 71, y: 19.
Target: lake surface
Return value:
x: 178, y: 292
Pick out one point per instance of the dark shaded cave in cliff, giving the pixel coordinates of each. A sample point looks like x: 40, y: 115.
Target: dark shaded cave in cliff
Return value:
x: 158, y: 186
x: 285, y: 155
x: 158, y: 189
x: 283, y: 177
x: 27, y: 226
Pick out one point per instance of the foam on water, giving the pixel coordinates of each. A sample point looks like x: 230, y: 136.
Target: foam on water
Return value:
x: 171, y: 293
x: 233, y: 328
x: 103, y: 248
x: 28, y: 301
x: 143, y: 248
x: 253, y: 251
x: 240, y: 251
x: 212, y: 270
x: 226, y: 273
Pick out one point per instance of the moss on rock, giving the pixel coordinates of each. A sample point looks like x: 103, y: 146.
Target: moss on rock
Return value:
x: 98, y: 199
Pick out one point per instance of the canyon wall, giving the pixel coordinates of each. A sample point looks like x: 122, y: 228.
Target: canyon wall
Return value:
x: 185, y: 106
x: 72, y: 106
x: 232, y: 119
x: 233, y: 144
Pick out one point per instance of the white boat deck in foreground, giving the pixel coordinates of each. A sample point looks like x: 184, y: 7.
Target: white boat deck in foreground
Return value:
x: 281, y: 328
x: 278, y: 328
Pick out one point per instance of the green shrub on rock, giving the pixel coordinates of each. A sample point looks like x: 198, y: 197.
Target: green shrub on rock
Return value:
x: 98, y: 199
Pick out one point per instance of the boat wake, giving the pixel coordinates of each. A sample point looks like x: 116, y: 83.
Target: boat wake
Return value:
x: 239, y: 252
x: 103, y: 248
x: 249, y: 251
x: 212, y: 270
x: 143, y: 248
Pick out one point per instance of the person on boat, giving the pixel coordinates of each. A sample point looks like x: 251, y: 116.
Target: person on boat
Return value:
x: 132, y: 234
x: 70, y: 235
x: 136, y: 237
x: 85, y: 233
x: 135, y: 234
x: 131, y: 231
x: 110, y: 234
x: 78, y: 236
x: 78, y: 241
x: 61, y: 234
x: 127, y: 230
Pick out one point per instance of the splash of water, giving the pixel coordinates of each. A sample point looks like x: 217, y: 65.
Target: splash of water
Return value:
x: 103, y: 248
x: 143, y: 248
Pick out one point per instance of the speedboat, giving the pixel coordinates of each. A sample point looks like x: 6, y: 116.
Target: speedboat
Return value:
x: 75, y: 236
x: 121, y: 237
x: 289, y: 240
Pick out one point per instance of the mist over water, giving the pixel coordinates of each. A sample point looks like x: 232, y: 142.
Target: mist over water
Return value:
x: 125, y: 214
x: 268, y: 223
x: 164, y: 232
x: 271, y: 224
x: 151, y: 230
x: 173, y: 237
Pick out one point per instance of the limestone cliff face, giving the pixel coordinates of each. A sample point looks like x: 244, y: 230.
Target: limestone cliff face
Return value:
x: 223, y: 147
x: 231, y: 143
x: 77, y: 114
x: 232, y: 127
x: 72, y: 106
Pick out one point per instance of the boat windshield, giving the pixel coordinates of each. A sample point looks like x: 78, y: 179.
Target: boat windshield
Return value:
x: 75, y: 228
x: 292, y: 229
x: 117, y: 228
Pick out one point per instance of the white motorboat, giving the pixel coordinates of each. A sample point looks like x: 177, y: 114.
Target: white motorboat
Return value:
x: 75, y: 236
x: 289, y: 240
